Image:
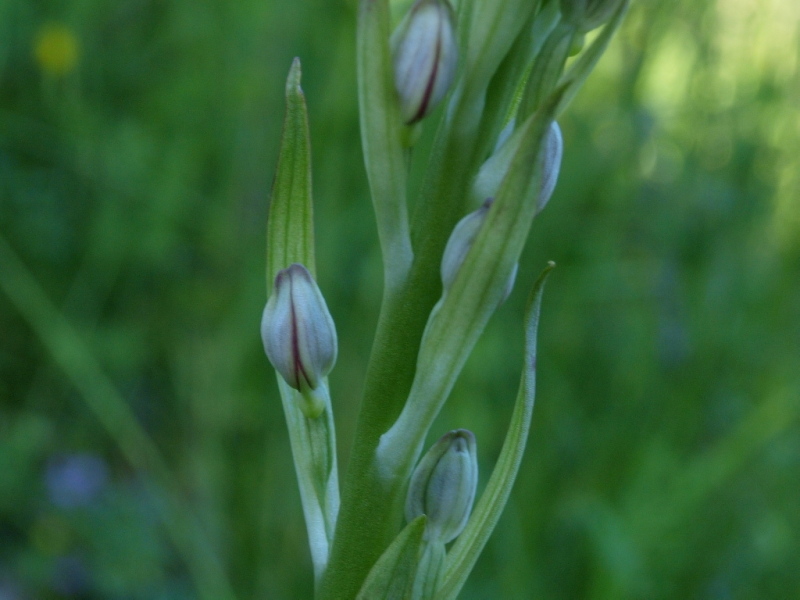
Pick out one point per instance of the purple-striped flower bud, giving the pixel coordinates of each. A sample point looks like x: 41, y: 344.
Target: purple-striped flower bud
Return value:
x: 443, y: 486
x: 461, y: 240
x: 297, y: 330
x: 425, y: 54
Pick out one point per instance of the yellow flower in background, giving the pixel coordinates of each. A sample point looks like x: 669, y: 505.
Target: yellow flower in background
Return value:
x: 56, y: 49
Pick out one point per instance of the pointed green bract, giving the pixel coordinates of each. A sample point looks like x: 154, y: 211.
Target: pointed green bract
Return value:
x: 290, y: 224
x: 290, y: 239
x: 392, y: 577
x: 468, y: 546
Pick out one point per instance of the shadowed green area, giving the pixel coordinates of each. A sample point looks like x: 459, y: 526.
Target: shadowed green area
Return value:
x: 138, y: 141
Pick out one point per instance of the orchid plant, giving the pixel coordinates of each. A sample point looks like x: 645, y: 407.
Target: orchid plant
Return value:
x: 502, y: 71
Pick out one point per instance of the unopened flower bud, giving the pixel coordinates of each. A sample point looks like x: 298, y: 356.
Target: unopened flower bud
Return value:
x: 425, y: 56
x: 443, y: 486
x: 551, y: 165
x: 461, y: 240
x: 298, y: 333
x: 492, y: 172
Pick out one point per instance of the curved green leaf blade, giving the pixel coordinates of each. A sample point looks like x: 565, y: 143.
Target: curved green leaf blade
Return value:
x: 290, y: 224
x: 392, y: 577
x: 470, y: 543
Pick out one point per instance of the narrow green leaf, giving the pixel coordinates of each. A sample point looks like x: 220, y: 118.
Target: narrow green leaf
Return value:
x: 70, y: 352
x: 470, y: 543
x: 382, y: 134
x: 290, y: 224
x: 392, y: 577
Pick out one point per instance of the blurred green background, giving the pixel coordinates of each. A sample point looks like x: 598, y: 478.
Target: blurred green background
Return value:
x: 137, y: 144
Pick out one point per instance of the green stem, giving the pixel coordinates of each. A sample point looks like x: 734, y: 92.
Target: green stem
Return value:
x: 313, y: 442
x: 371, y: 509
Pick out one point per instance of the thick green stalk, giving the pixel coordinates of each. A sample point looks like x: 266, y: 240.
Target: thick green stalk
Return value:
x: 371, y: 507
x: 371, y: 510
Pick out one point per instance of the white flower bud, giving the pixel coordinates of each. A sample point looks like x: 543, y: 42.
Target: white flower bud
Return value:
x: 425, y: 54
x: 461, y: 240
x: 298, y: 332
x: 492, y: 172
x: 443, y: 486
x: 553, y: 152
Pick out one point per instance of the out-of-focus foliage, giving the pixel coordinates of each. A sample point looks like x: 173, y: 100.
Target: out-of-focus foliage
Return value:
x: 137, y: 144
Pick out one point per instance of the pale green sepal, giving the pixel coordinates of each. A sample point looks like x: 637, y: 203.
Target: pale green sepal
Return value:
x: 577, y: 73
x: 470, y: 543
x: 392, y: 577
x: 290, y: 224
x: 383, y: 138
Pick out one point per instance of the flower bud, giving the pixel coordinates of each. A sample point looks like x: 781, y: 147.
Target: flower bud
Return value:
x: 443, y: 486
x: 298, y: 332
x: 492, y: 172
x: 461, y: 240
x: 425, y: 54
x: 551, y: 165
